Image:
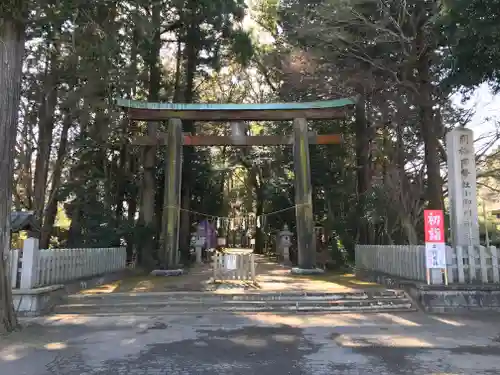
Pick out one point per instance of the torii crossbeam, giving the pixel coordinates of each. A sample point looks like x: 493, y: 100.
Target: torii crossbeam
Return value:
x: 301, y: 139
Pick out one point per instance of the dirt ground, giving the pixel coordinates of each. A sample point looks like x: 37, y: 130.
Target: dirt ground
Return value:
x: 271, y: 277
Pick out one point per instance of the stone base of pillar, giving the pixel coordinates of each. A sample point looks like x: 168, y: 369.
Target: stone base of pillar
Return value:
x: 172, y: 272
x: 286, y: 256
x: 306, y: 271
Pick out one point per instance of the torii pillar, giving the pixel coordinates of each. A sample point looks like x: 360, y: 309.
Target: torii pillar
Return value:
x: 169, y: 242
x: 306, y: 244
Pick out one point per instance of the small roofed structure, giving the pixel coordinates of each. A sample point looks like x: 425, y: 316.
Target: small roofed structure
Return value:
x: 23, y: 220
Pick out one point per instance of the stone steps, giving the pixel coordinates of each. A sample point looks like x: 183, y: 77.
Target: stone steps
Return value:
x: 182, y: 302
x: 247, y: 296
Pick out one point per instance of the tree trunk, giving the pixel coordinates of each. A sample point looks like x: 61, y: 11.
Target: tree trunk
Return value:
x: 259, y: 211
x: 75, y: 227
x: 429, y: 135
x: 191, y: 59
x: 46, y: 127
x: 51, y: 210
x: 123, y: 172
x: 148, y: 201
x: 11, y: 59
x: 362, y: 165
x: 25, y: 160
x: 178, y: 72
x: 131, y: 211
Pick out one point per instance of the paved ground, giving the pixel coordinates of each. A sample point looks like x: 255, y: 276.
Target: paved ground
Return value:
x: 265, y: 344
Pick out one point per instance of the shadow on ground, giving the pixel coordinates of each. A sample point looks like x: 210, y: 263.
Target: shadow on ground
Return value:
x: 266, y: 344
x: 194, y: 279
x: 271, y: 277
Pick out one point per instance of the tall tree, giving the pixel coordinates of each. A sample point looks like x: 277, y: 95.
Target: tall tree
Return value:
x: 378, y: 44
x: 148, y: 191
x: 211, y: 33
x: 11, y: 57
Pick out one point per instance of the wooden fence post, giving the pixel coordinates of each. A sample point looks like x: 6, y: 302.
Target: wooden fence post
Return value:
x: 13, y: 263
x: 252, y: 266
x: 482, y: 262
x: 494, y: 264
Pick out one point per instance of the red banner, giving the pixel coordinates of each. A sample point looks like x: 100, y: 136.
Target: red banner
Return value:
x: 434, y: 226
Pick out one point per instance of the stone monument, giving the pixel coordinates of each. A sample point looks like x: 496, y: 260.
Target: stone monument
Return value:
x: 462, y: 187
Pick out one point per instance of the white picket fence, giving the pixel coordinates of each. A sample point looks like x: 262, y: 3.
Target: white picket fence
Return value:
x: 465, y: 264
x: 234, y: 266
x: 14, y: 266
x: 32, y: 267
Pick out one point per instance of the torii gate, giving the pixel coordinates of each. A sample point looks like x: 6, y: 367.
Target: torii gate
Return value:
x: 301, y: 139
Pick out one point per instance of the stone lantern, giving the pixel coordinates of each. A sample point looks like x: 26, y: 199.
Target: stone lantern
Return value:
x: 284, y: 243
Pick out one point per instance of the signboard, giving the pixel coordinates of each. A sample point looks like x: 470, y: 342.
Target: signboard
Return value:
x: 230, y: 261
x: 435, y: 247
x: 206, y: 230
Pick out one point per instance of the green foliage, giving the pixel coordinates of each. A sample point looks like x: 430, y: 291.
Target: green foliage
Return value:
x: 471, y: 29
x: 214, y: 27
x: 241, y: 47
x: 13, y: 10
x: 322, y: 50
x: 103, y: 52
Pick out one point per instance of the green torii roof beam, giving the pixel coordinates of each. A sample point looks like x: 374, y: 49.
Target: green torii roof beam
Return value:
x: 319, y: 110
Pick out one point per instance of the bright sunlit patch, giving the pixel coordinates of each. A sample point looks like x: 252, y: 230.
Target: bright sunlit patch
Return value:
x: 55, y: 346
x: 9, y: 356
x: 337, y: 320
x: 127, y: 341
x: 448, y: 321
x: 246, y: 341
x: 69, y: 319
x: 102, y: 289
x: 274, y: 319
x: 284, y: 338
x: 359, y: 282
x: 12, y: 353
x: 54, y: 318
x: 394, y: 341
x: 315, y: 320
x: 399, y: 320
x: 144, y: 286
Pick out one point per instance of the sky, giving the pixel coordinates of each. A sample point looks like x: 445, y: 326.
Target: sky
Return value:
x: 487, y: 110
